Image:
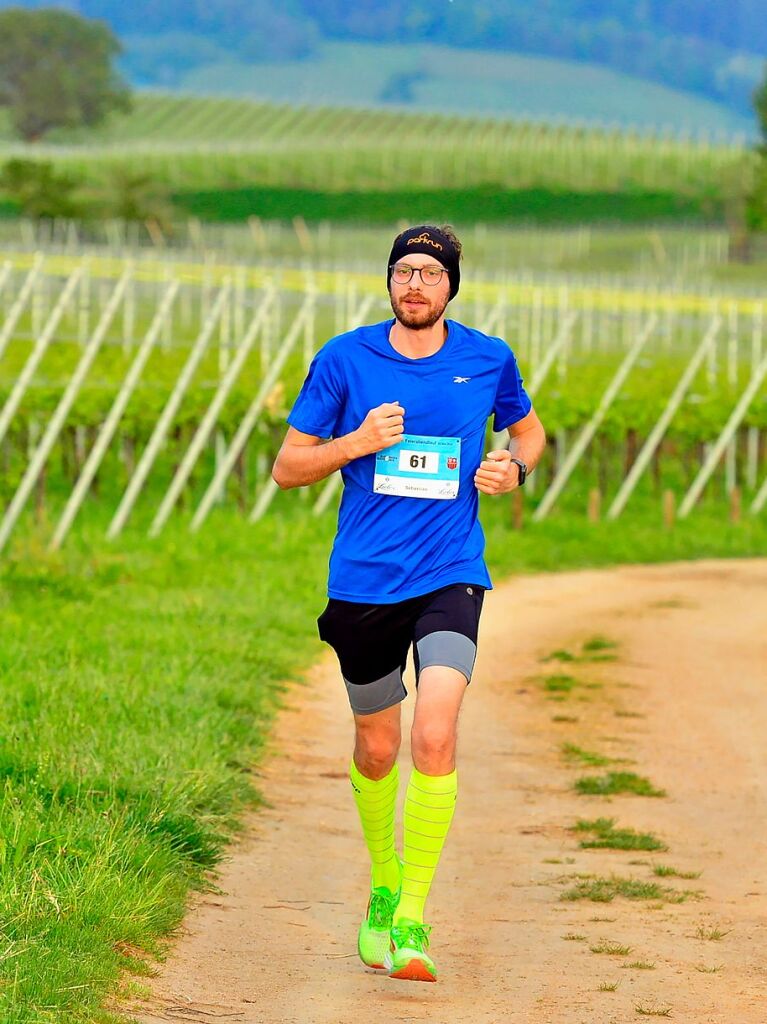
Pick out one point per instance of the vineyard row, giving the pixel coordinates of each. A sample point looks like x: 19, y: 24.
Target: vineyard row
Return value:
x: 194, y: 144
x: 96, y: 367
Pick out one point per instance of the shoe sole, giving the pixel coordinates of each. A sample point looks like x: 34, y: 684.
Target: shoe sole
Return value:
x: 413, y: 970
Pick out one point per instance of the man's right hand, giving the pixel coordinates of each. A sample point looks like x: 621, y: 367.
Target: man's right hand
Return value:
x: 383, y: 427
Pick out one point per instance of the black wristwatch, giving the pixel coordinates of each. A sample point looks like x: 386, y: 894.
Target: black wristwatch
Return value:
x: 522, y: 470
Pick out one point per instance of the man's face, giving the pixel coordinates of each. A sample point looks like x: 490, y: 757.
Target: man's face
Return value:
x: 416, y: 305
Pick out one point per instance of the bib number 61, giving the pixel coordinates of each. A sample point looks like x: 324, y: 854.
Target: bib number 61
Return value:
x: 418, y: 462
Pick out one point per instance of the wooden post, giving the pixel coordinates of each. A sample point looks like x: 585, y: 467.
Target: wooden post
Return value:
x: 302, y: 233
x: 155, y: 232
x: 595, y: 504
x: 240, y: 469
x: 735, y: 505
x: 517, y: 506
x: 669, y: 508
x: 257, y: 232
x: 631, y: 450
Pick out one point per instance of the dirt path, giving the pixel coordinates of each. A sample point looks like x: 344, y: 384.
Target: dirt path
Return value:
x: 685, y: 700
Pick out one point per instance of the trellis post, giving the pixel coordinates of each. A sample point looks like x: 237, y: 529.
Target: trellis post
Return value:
x: 586, y: 435
x: 166, y: 417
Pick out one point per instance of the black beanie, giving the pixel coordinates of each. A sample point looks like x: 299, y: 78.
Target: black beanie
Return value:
x: 426, y: 238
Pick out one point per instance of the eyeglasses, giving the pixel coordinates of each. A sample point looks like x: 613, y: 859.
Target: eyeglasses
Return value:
x: 430, y: 275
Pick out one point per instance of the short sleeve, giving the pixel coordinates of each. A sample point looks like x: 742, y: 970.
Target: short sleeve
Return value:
x: 317, y: 409
x: 512, y: 402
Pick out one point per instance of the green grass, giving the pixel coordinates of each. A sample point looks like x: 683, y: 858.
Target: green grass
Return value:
x: 605, y: 986
x: 490, y: 203
x: 137, y: 687
x: 575, y: 753
x: 603, y: 834
x: 596, y: 649
x: 713, y: 934
x: 617, y: 782
x: 664, y: 871
x: 604, y: 890
x: 560, y: 654
x: 570, y: 541
x: 640, y: 965
x: 653, y: 1011
x: 559, y: 683
x: 598, y: 644
x: 611, y: 949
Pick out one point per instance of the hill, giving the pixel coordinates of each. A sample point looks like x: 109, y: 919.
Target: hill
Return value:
x: 714, y: 51
x: 424, y: 77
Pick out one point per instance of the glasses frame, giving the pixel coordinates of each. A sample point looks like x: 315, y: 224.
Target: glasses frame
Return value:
x: 428, y: 266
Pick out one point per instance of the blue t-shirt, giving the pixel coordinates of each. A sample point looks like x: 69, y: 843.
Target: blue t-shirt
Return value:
x: 392, y: 547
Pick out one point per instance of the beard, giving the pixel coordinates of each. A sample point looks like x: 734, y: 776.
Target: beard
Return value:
x: 419, y: 318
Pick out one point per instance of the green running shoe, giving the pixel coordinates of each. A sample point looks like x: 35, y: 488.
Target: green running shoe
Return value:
x: 373, y: 937
x: 407, y: 958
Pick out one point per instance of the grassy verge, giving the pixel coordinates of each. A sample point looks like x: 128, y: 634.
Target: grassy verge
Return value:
x: 488, y: 203
x: 569, y: 541
x: 137, y: 686
x: 138, y: 681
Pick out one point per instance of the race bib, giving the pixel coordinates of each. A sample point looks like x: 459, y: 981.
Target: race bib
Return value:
x: 419, y: 467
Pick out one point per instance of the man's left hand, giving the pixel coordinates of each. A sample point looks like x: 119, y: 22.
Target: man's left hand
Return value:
x: 497, y: 474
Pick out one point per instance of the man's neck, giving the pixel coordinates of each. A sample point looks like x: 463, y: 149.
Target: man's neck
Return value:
x: 418, y: 344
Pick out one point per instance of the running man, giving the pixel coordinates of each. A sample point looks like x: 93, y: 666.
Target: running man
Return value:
x: 406, y: 404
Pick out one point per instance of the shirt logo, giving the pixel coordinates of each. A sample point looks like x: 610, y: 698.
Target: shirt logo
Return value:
x: 461, y: 380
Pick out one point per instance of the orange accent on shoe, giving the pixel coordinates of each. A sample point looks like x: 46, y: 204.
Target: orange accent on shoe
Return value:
x: 414, y: 970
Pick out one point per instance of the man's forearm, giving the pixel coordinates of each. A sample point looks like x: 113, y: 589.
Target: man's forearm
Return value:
x: 301, y: 464
x: 528, y: 447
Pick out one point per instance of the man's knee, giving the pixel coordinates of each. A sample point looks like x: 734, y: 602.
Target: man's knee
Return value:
x: 433, y: 747
x: 376, y: 746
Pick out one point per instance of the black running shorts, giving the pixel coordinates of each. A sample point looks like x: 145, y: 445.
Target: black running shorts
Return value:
x: 372, y: 641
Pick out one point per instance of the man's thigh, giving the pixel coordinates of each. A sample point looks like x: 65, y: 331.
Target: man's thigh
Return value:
x: 446, y: 632
x: 438, y: 703
x: 371, y: 643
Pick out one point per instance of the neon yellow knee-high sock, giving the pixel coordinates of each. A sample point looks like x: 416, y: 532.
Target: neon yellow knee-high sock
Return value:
x: 429, y: 806
x: 376, y: 802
